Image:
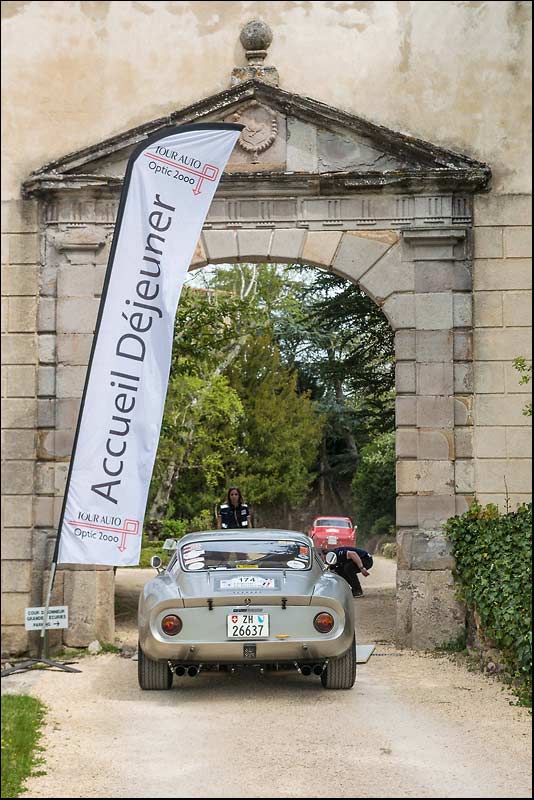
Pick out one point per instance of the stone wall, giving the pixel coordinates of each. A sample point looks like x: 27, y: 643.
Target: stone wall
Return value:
x: 20, y: 289
x: 502, y: 331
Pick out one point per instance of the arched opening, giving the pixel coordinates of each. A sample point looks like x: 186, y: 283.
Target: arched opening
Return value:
x: 351, y: 436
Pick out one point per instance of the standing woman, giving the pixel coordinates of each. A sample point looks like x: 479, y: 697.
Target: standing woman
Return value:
x: 235, y: 512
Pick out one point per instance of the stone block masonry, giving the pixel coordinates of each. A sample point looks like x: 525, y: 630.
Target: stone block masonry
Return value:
x: 20, y: 287
x: 502, y: 330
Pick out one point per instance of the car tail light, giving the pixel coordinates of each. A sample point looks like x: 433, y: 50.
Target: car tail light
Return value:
x: 171, y: 624
x: 323, y: 622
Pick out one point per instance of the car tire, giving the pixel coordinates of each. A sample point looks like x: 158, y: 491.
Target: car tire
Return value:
x: 340, y: 672
x: 153, y: 674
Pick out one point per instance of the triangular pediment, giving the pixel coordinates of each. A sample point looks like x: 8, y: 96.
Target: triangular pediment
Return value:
x: 287, y: 137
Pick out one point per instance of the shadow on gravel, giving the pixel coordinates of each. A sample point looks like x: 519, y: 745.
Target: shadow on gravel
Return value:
x: 244, y: 687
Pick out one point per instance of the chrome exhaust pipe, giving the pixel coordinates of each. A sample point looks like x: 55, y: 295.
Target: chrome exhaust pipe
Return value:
x: 180, y: 671
x: 306, y: 669
x: 192, y: 672
x: 318, y: 669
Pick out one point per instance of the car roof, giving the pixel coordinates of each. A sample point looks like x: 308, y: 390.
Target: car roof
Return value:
x: 329, y: 516
x: 249, y: 533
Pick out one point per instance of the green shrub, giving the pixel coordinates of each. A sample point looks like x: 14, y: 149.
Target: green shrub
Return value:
x: 389, y: 550
x: 173, y: 528
x: 493, y: 554
x: 383, y: 526
x: 202, y: 522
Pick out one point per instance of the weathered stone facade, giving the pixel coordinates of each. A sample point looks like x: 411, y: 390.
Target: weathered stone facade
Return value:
x: 412, y: 223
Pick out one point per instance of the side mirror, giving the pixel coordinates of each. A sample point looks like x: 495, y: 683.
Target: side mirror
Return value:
x: 331, y: 559
x: 155, y: 562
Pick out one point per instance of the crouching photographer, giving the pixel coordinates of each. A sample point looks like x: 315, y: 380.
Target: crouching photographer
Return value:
x: 351, y: 561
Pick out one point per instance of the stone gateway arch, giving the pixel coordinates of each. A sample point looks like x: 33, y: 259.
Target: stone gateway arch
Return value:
x: 306, y: 183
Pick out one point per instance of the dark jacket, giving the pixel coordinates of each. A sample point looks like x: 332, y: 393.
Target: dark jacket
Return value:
x: 234, y: 516
x: 341, y: 553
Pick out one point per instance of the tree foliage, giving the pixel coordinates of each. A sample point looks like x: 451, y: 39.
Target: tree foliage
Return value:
x: 374, y: 484
x: 280, y: 429
x: 338, y: 335
x: 342, y: 346
x: 198, y: 434
x: 233, y: 412
x: 280, y: 376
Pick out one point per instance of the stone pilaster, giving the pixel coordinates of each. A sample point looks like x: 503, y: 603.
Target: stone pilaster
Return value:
x: 71, y: 282
x: 434, y: 442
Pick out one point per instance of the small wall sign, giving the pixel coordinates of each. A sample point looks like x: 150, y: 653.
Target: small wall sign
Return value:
x: 58, y: 617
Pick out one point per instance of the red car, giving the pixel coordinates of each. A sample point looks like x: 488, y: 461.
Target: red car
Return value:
x: 333, y: 532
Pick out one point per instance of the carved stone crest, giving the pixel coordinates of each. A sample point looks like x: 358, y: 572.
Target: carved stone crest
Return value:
x: 261, y: 128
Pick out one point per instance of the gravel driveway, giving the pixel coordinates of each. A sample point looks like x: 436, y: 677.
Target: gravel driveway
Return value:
x: 413, y: 726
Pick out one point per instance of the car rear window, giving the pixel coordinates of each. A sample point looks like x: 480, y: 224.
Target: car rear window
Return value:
x: 332, y: 523
x: 245, y: 554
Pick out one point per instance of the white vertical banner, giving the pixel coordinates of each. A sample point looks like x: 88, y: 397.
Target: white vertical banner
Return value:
x: 169, y: 185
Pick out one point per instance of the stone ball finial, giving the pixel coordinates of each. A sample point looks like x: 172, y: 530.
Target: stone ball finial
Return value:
x: 256, y: 35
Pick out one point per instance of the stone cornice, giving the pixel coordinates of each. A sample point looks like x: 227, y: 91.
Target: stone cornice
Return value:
x: 253, y: 183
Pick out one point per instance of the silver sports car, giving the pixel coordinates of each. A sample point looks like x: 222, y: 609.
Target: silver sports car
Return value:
x: 262, y: 598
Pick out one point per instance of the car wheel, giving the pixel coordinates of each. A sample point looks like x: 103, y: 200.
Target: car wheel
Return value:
x: 153, y: 674
x: 340, y: 672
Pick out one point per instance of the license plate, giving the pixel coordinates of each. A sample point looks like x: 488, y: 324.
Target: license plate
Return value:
x: 247, y: 626
x: 332, y: 540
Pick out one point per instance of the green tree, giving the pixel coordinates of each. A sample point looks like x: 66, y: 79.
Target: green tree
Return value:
x: 199, y: 432
x: 199, y: 404
x: 280, y: 428
x: 338, y: 334
x: 374, y: 483
x: 342, y: 346
x: 232, y: 410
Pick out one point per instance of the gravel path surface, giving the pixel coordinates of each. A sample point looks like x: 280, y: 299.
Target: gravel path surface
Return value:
x: 413, y: 726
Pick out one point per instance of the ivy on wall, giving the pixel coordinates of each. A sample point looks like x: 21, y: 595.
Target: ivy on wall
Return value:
x: 493, y: 554
x: 525, y: 376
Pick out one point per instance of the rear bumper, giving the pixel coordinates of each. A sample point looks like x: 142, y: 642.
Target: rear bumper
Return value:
x: 203, y: 637
x: 234, y: 652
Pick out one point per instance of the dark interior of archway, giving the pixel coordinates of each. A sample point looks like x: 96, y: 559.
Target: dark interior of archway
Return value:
x: 282, y: 382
